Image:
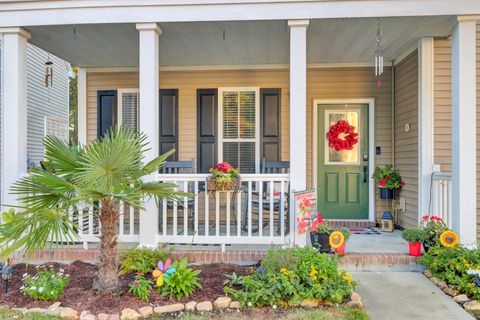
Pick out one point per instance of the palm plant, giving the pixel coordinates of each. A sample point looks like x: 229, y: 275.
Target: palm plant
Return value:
x: 109, y: 171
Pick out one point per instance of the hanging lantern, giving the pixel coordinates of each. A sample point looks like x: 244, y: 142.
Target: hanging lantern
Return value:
x: 48, y: 73
x: 379, y: 53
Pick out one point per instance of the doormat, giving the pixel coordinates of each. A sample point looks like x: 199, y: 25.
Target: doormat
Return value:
x: 364, y: 230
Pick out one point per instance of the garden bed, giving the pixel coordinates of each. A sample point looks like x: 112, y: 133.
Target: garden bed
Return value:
x: 79, y: 295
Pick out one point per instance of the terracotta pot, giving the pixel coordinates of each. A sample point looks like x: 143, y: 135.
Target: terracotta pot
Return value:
x: 341, y: 249
x: 414, y: 248
x: 320, y: 241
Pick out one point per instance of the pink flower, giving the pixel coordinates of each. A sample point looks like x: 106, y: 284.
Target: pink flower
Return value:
x: 139, y: 273
x: 135, y: 284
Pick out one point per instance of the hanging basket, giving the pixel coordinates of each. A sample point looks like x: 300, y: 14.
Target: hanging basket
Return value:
x: 216, y: 185
x: 386, y: 194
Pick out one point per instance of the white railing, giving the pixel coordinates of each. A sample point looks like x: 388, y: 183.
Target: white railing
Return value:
x: 256, y: 214
x: 442, y: 196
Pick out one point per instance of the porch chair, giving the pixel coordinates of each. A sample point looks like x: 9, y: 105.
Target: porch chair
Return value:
x: 179, y: 167
x: 268, y: 167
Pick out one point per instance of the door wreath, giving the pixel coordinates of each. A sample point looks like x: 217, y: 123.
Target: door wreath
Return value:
x: 342, y: 136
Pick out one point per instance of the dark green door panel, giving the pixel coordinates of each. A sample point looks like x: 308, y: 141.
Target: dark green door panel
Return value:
x: 342, y: 186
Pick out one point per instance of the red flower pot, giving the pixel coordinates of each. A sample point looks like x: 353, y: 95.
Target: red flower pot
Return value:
x: 341, y: 249
x: 414, y: 248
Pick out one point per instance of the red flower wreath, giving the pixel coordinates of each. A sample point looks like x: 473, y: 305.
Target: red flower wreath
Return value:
x: 350, y: 138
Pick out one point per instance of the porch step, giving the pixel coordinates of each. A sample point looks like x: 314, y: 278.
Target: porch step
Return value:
x: 352, y: 223
x: 374, y: 262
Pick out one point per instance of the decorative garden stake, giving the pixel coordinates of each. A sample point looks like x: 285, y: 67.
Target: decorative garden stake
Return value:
x: 163, y: 272
x: 7, y: 272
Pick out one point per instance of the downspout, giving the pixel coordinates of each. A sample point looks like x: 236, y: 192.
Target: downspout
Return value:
x: 393, y: 113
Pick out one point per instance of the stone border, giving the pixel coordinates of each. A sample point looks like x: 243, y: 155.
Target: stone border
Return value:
x: 463, y: 300
x: 221, y: 303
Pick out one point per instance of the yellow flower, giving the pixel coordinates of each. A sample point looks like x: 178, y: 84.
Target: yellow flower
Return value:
x: 283, y: 270
x: 347, y: 277
x: 449, y: 238
x: 336, y: 239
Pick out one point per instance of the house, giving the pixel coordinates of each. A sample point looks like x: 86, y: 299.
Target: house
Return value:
x: 47, y: 108
x: 242, y: 81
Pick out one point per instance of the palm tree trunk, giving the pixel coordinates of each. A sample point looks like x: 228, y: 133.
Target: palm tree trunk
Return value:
x: 107, y: 279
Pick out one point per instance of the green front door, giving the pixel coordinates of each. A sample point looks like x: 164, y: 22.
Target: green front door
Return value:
x: 343, y: 175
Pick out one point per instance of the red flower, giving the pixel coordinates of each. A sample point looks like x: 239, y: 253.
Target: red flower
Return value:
x: 388, y: 178
x: 402, y: 183
x: 425, y: 217
x: 383, y: 182
x: 350, y: 137
x: 436, y: 218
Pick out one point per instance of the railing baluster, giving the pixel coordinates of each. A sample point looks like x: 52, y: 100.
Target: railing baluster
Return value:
x: 228, y: 194
x: 217, y: 213
x: 175, y: 207
x: 271, y: 207
x: 249, y: 213
x: 239, y: 214
x: 90, y: 220
x: 185, y: 209
x: 195, y: 210
x: 260, y: 209
x: 206, y: 213
x: 282, y: 209
x: 131, y: 217
x: 164, y: 217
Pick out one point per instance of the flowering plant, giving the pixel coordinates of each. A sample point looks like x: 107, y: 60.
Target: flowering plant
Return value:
x: 47, y: 284
x: 342, y: 136
x: 320, y: 225
x: 388, y: 178
x: 433, y: 227
x: 223, y: 176
x: 140, y: 287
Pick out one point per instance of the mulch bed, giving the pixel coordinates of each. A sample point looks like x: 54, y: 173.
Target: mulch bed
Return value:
x: 79, y: 294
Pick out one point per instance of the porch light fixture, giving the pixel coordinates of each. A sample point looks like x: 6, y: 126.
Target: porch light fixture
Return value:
x: 48, y: 73
x: 379, y: 53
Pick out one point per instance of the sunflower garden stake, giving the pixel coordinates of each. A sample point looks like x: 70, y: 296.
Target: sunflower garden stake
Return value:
x: 449, y: 239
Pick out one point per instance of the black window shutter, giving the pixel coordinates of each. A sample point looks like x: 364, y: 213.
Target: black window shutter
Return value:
x: 106, y: 111
x: 270, y: 124
x: 207, y: 105
x: 168, y: 125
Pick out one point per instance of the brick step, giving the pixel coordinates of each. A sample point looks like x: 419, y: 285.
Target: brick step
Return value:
x: 350, y: 262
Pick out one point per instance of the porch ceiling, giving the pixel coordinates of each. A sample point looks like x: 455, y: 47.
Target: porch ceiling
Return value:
x: 237, y: 43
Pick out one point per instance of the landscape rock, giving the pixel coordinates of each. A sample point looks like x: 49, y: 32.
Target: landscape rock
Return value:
x: 190, y: 306
x: 205, y: 306
x: 451, y: 292
x: 130, y: 314
x: 355, y: 304
x: 461, y: 298
x: 146, y: 311
x: 169, y: 308
x: 428, y: 273
x: 222, y: 303
x: 355, y: 297
x: 86, y: 315
x: 234, y: 305
x: 69, y: 314
x: 310, y: 303
x: 35, y: 310
x: 54, y: 309
x: 472, y: 306
x: 439, y: 283
x: 103, y: 316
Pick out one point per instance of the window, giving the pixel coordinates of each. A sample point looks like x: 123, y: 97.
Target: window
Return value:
x: 239, y: 129
x: 129, y: 108
x: 57, y: 126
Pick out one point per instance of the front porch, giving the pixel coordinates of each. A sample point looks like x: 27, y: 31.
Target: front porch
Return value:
x: 167, y: 82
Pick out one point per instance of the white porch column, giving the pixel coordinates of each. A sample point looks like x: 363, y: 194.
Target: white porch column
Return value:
x: 464, y: 156
x: 14, y: 109
x: 82, y: 105
x: 425, y: 123
x: 149, y: 117
x: 298, y: 115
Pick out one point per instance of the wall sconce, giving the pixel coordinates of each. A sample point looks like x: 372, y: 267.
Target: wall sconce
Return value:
x: 7, y: 273
x: 48, y: 73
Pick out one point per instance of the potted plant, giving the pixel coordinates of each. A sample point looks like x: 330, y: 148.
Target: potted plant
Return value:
x: 223, y: 177
x: 415, y: 237
x: 320, y: 235
x: 388, y: 180
x: 339, y: 241
x: 432, y: 227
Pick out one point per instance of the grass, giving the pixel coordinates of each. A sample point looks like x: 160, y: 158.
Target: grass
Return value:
x: 334, y: 313
x: 8, y: 314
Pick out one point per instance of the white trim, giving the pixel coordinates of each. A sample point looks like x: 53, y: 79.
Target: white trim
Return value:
x: 425, y: 123
x: 82, y: 105
x: 257, y: 123
x: 371, y: 143
x: 120, y: 93
x: 325, y: 65
x: 68, y: 12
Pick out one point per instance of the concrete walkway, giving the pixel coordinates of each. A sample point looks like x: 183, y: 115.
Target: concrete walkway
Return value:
x: 405, y: 295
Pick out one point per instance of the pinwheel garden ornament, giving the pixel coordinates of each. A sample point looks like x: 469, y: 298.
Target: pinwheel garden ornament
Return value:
x: 163, y: 272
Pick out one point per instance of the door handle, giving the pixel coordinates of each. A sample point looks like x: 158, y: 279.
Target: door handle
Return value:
x: 365, y: 174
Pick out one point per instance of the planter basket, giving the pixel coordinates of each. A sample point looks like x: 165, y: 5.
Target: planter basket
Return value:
x: 387, y: 194
x: 321, y: 241
x: 214, y: 185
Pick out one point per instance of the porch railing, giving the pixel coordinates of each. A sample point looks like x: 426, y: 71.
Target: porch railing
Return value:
x: 442, y: 196
x: 255, y: 214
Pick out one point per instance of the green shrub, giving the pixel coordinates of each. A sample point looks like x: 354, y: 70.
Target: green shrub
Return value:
x: 451, y: 265
x: 291, y: 275
x: 182, y: 282
x: 47, y: 284
x: 140, y: 287
x: 413, y: 235
x: 141, y: 259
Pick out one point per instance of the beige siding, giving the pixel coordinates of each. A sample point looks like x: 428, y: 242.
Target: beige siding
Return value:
x: 346, y: 83
x: 406, y: 143
x: 353, y: 83
x: 478, y: 130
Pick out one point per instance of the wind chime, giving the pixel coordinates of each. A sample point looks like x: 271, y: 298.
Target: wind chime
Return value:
x: 379, y: 53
